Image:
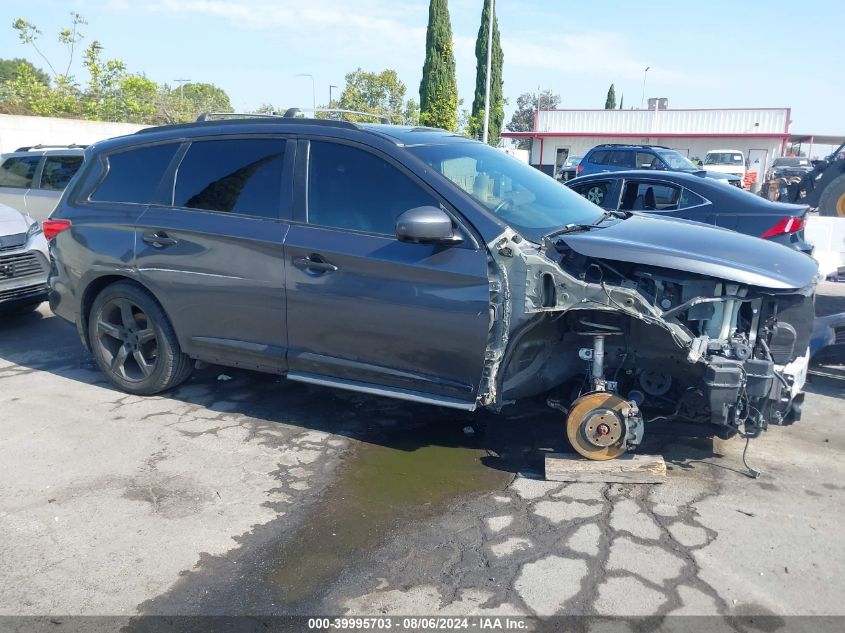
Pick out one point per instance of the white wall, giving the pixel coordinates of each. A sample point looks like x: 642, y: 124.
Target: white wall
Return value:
x: 21, y: 131
x: 738, y: 121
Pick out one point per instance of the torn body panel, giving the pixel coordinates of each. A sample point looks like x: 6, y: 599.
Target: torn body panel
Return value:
x: 683, y: 345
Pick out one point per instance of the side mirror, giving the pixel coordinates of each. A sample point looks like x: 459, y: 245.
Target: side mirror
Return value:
x: 426, y: 225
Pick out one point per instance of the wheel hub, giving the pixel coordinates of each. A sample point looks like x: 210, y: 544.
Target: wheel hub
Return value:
x: 840, y: 206
x: 596, y: 426
x: 602, y: 428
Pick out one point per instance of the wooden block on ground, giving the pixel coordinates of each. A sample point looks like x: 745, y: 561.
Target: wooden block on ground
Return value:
x: 627, y: 469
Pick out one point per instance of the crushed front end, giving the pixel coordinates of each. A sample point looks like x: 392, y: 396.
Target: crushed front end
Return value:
x: 620, y: 343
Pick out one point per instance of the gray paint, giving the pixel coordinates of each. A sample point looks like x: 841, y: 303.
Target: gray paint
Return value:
x: 697, y: 249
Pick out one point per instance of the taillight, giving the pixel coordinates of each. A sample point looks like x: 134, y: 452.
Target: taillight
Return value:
x: 579, y: 169
x: 785, y: 226
x: 52, y: 228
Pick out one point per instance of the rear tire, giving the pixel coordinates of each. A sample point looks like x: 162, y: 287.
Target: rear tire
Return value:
x: 832, y: 200
x: 133, y: 342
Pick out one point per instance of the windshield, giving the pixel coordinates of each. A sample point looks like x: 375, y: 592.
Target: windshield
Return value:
x: 676, y: 161
x: 572, y: 161
x: 723, y: 158
x: 521, y: 196
x: 791, y: 162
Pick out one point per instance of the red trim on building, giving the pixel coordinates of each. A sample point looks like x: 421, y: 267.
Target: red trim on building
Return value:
x: 667, y: 110
x: 636, y: 135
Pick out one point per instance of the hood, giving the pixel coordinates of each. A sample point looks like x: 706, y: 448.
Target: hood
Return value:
x: 726, y: 169
x: 697, y: 248
x: 12, y: 222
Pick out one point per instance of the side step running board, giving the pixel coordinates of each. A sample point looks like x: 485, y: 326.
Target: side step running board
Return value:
x: 389, y: 392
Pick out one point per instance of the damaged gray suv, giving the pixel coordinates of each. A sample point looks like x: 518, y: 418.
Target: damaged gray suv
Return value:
x: 416, y: 264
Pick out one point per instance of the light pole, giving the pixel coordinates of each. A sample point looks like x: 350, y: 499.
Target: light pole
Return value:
x: 330, y: 94
x: 313, y: 89
x: 181, y: 83
x: 491, y: 21
x: 645, y: 73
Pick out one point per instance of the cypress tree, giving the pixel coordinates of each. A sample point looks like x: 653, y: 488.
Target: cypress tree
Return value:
x: 497, y: 103
x: 622, y: 102
x: 610, y: 103
x: 439, y: 87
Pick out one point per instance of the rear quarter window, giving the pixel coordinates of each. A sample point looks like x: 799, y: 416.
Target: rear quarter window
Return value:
x: 58, y: 170
x: 134, y: 175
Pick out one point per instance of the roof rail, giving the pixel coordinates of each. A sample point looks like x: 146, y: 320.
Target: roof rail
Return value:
x: 631, y: 145
x: 40, y: 146
x: 209, y: 116
x: 382, y: 118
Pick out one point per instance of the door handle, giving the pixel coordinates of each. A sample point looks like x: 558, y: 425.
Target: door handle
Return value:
x: 314, y: 263
x: 159, y: 239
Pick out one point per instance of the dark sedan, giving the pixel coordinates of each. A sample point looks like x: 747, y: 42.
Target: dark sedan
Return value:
x: 695, y: 198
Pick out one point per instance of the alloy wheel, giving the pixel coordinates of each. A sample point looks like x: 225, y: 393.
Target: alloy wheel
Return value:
x: 127, y: 340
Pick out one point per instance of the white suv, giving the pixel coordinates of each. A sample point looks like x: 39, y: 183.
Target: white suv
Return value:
x: 32, y: 179
x: 725, y: 161
x: 23, y: 262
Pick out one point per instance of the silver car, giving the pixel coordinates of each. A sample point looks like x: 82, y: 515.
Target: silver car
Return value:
x: 23, y: 262
x: 32, y: 179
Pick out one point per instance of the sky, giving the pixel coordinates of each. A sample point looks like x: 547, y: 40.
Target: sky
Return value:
x: 709, y: 54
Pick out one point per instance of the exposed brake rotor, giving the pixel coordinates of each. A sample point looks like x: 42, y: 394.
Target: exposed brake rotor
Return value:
x: 596, y: 425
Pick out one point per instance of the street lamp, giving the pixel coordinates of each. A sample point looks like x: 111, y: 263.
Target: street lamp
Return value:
x: 330, y: 94
x: 313, y: 89
x: 489, y: 69
x: 182, y: 83
x: 642, y: 101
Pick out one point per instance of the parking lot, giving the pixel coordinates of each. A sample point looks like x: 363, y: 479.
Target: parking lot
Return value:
x: 243, y: 493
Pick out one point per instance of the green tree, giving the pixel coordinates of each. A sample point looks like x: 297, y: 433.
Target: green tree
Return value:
x: 610, y: 102
x: 526, y: 106
x: 379, y: 93
x: 111, y: 92
x: 439, y: 87
x: 622, y: 101
x: 10, y: 68
x: 497, y: 101
x: 411, y: 114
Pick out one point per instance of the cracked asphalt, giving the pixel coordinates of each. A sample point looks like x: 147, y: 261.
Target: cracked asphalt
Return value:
x: 254, y: 495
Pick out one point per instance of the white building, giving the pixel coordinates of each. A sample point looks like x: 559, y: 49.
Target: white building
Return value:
x: 761, y: 134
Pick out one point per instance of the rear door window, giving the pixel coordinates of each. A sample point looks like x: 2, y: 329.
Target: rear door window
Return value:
x: 58, y: 170
x: 600, y: 157
x: 18, y: 171
x: 620, y: 158
x: 240, y: 176
x: 595, y: 192
x: 650, y: 196
x: 134, y: 175
x: 350, y: 188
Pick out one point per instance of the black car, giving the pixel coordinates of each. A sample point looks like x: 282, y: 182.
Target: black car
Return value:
x: 417, y: 264
x: 700, y: 199
x: 790, y: 167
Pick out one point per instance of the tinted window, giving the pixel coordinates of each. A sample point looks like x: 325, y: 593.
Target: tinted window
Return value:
x: 241, y: 176
x: 595, y: 192
x: 134, y: 175
x: 621, y: 158
x: 349, y: 188
x: 18, y: 171
x: 599, y: 157
x: 58, y: 170
x: 690, y: 199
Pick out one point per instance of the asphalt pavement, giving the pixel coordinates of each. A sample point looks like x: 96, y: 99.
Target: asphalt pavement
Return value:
x: 241, y: 493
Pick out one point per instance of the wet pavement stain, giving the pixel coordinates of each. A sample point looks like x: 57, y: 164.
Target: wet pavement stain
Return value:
x: 408, y: 475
